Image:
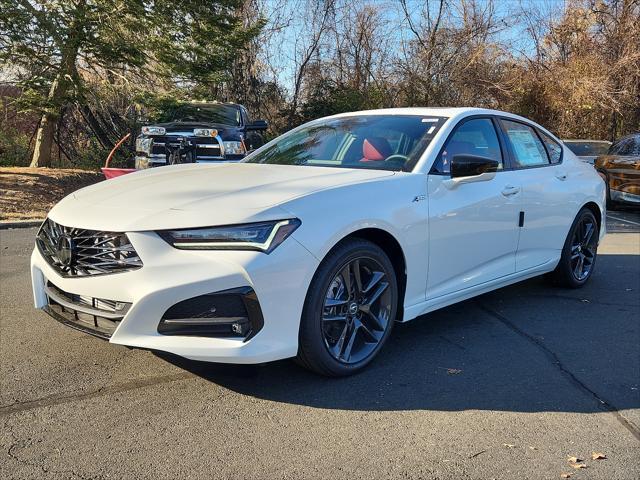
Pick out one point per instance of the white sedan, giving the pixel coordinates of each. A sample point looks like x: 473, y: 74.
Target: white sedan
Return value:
x: 320, y: 240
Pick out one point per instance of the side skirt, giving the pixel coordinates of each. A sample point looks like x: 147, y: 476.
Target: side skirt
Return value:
x: 413, y: 311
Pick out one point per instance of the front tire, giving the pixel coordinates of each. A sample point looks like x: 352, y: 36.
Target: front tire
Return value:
x: 579, y: 252
x: 349, y: 310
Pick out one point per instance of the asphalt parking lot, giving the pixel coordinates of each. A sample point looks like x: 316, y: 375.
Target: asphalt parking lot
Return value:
x: 504, y: 386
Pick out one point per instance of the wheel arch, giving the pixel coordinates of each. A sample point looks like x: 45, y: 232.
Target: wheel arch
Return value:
x: 392, y: 248
x: 595, y: 209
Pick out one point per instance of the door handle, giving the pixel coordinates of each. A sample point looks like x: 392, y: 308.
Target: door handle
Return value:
x: 510, y: 190
x: 561, y: 176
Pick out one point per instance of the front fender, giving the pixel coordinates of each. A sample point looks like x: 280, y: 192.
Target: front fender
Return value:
x: 396, y: 205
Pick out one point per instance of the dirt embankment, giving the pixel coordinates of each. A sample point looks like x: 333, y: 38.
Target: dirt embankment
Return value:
x: 29, y: 193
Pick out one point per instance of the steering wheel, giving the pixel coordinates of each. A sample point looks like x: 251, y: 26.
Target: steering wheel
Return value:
x: 396, y: 158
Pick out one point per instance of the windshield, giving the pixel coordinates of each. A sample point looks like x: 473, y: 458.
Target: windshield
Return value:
x: 588, y: 149
x: 626, y: 146
x: 224, y: 114
x: 386, y: 142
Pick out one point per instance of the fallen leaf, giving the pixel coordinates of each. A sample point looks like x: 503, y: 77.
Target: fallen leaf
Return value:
x: 598, y: 456
x: 578, y: 465
x: 508, y: 445
x: 565, y: 475
x: 574, y: 460
x: 453, y: 371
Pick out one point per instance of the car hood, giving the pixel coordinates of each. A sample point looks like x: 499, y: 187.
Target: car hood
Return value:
x: 193, y: 195
x: 623, y: 162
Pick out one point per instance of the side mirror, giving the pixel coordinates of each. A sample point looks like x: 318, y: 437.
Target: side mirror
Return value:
x: 472, y: 165
x: 258, y: 125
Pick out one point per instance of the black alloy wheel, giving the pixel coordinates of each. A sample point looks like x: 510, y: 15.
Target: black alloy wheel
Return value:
x: 579, y: 253
x: 356, y: 310
x: 349, y: 310
x: 583, y: 248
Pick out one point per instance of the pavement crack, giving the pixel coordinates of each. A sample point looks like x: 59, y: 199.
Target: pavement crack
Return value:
x: 602, y: 403
x: 59, y: 399
x: 585, y: 300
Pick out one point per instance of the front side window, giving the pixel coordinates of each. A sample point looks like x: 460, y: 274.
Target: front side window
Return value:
x: 473, y: 137
x: 553, y: 148
x: 528, y: 150
x: 384, y: 142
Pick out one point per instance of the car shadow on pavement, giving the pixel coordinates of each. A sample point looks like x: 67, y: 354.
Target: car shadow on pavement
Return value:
x: 528, y: 348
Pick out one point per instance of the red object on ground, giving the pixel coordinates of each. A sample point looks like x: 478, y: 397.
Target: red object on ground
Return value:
x: 115, y: 172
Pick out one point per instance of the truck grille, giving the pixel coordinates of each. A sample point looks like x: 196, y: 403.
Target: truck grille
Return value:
x: 205, y: 147
x: 77, y: 252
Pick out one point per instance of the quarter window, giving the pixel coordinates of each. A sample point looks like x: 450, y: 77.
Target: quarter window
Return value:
x: 528, y: 150
x: 474, y: 137
x: 553, y: 148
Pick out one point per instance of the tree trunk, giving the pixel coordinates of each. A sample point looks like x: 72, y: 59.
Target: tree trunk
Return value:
x: 55, y: 100
x: 44, y: 141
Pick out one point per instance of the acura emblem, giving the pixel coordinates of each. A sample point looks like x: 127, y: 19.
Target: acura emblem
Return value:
x: 65, y: 250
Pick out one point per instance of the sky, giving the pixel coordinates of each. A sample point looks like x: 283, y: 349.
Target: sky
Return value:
x: 289, y: 13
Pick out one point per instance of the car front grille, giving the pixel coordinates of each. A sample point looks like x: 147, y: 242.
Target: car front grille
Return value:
x: 77, y: 252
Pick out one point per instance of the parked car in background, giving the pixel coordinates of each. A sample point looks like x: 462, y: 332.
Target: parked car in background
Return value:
x: 318, y: 242
x: 200, y: 132
x: 588, y: 150
x: 620, y: 168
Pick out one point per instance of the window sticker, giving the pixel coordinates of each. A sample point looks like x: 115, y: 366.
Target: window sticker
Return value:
x: 526, y: 148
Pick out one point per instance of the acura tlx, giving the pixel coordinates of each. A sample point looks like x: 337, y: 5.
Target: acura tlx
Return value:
x: 319, y: 241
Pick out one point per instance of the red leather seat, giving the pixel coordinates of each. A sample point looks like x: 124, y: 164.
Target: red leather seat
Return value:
x: 375, y: 149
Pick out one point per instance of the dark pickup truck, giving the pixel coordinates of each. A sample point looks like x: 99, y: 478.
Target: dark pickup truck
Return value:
x: 200, y: 132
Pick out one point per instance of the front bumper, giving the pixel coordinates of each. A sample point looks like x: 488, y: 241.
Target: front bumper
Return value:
x: 624, y: 197
x: 169, y: 276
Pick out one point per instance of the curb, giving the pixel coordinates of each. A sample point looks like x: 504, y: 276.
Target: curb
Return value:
x: 10, y: 224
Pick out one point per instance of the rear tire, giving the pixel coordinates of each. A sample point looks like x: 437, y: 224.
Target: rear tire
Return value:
x: 579, y: 252
x: 349, y: 310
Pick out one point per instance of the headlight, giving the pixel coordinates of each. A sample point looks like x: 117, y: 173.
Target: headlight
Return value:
x: 151, y: 130
x: 142, y: 163
x: 205, y: 132
x: 143, y: 144
x: 262, y: 236
x: 233, y: 148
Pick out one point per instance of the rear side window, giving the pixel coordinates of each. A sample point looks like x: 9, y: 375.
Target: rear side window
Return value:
x: 553, y: 148
x: 528, y: 150
x: 474, y: 137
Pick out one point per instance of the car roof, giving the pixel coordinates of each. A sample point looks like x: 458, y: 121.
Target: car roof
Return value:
x: 453, y: 113
x: 450, y: 112
x: 574, y: 140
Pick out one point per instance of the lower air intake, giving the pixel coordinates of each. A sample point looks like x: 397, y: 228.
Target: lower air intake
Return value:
x: 228, y: 313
